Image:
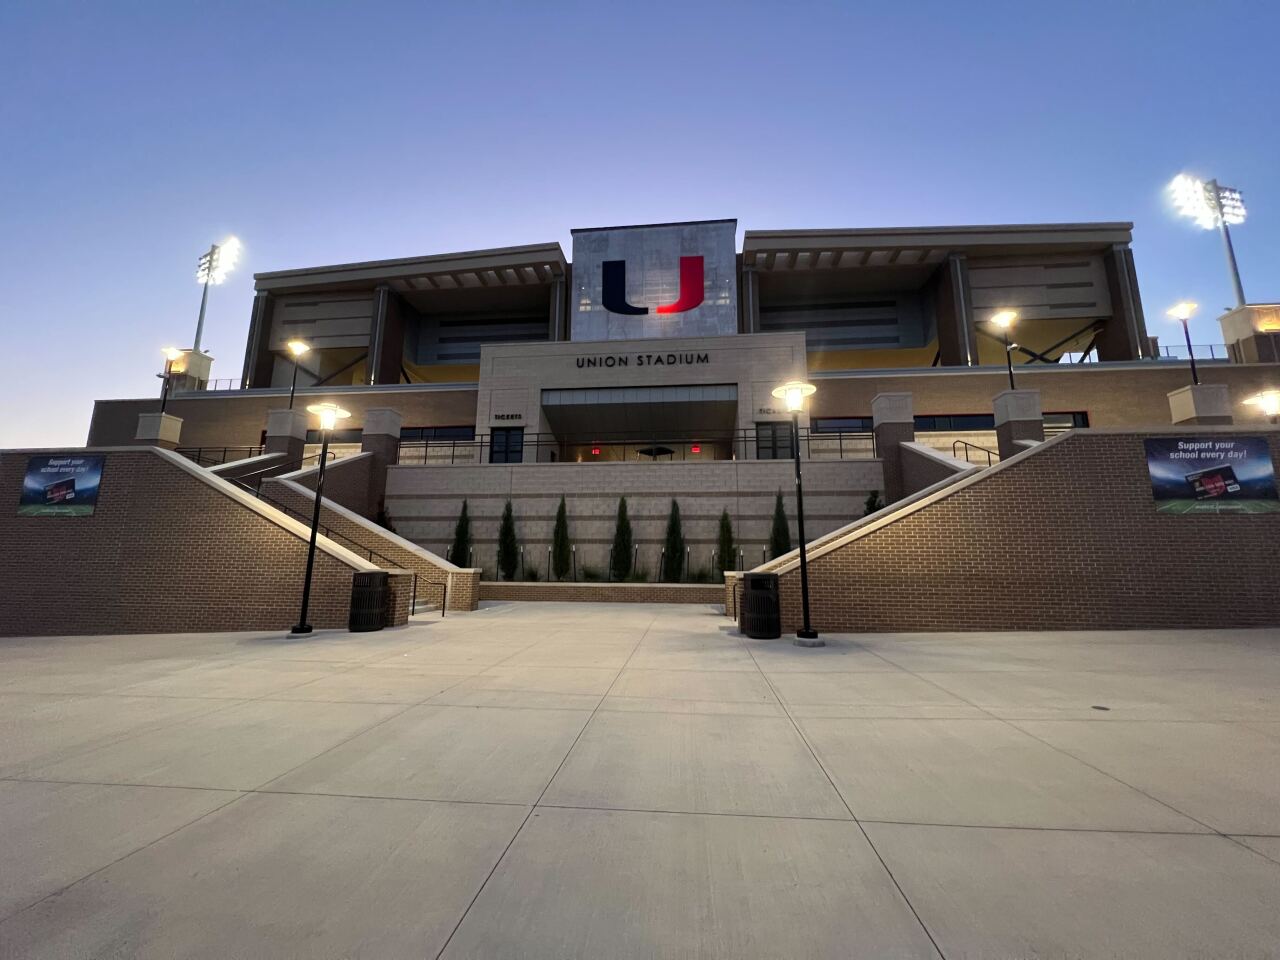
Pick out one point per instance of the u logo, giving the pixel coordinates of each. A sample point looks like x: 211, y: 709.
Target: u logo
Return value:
x: 613, y: 288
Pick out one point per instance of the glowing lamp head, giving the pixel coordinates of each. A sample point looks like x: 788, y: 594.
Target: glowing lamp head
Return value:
x: 595, y: 451
x: 1206, y: 203
x: 298, y: 348
x: 172, y: 353
x: 1181, y: 311
x: 221, y: 259
x: 329, y: 414
x: 1004, y: 319
x: 793, y: 394
x: 1268, y: 401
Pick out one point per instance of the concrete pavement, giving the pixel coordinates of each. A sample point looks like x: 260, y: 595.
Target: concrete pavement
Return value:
x: 576, y: 780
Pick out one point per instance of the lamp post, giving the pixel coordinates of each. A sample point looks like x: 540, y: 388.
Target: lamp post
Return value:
x: 296, y: 348
x: 329, y: 414
x: 1003, y: 321
x: 213, y: 268
x: 1269, y: 402
x: 794, y: 393
x: 1211, y: 205
x: 1182, y: 313
x: 171, y: 355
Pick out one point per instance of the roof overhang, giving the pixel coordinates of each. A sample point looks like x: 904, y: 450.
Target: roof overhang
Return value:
x: 530, y: 265
x: 773, y: 250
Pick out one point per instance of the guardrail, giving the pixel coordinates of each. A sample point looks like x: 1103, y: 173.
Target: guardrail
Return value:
x: 964, y: 446
x: 216, y: 456
x: 643, y: 448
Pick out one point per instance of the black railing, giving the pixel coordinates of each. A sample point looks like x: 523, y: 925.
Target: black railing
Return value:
x: 354, y: 545
x: 273, y: 470
x: 216, y: 456
x: 964, y: 446
x: 746, y: 444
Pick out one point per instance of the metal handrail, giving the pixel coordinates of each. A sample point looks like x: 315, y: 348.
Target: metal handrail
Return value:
x: 992, y: 455
x: 642, y: 446
x: 283, y: 467
x: 198, y: 454
x: 334, y: 535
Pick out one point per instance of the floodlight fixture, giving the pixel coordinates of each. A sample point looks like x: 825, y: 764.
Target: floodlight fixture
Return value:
x: 212, y: 269
x: 1211, y: 205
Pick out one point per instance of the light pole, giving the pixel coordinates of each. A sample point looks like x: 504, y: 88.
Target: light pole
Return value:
x: 171, y: 355
x: 1269, y: 402
x: 1182, y: 313
x: 297, y: 348
x: 794, y: 394
x: 329, y: 414
x: 213, y: 268
x: 1003, y: 321
x: 1211, y: 205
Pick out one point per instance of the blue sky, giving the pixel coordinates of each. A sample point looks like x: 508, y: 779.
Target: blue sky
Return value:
x: 134, y: 134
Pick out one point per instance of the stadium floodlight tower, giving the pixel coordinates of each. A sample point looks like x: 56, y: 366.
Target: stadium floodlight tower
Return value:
x: 213, y: 268
x: 1211, y: 205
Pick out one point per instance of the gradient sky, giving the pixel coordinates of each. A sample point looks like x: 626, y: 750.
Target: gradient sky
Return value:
x: 134, y: 134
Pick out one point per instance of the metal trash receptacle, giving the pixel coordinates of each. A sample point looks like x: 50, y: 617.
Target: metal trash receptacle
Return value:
x: 761, y: 616
x: 369, y: 598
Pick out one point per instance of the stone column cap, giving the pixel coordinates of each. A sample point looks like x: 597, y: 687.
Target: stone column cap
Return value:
x: 287, y: 423
x: 1010, y: 405
x: 164, y: 427
x: 383, y: 420
x: 892, y: 408
x: 1196, y: 401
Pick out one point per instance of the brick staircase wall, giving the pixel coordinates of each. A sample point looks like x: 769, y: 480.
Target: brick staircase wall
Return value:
x: 169, y: 548
x: 434, y: 572
x: 1061, y: 536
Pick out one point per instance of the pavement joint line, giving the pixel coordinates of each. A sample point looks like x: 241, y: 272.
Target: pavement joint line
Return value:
x: 863, y: 830
x: 520, y: 829
x: 1067, y: 753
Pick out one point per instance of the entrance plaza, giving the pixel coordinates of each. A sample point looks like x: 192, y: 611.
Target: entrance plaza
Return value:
x: 632, y: 780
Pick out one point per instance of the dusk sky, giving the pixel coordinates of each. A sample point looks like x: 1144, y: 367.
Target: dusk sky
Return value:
x: 134, y: 134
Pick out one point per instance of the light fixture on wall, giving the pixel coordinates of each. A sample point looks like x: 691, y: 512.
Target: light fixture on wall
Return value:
x: 1268, y: 401
x: 329, y: 414
x: 1182, y: 312
x: 794, y: 393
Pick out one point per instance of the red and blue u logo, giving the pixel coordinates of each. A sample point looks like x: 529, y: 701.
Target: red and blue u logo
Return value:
x: 613, y: 288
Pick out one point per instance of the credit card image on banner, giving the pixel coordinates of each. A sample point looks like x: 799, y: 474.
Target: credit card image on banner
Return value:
x: 1214, y: 482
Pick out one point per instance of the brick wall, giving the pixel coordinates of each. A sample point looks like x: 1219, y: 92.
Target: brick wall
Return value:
x: 603, y: 592
x: 922, y: 466
x: 164, y: 551
x: 346, y: 481
x: 1064, y: 536
x: 350, y: 528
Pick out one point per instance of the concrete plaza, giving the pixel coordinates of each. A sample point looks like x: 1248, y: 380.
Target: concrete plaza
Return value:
x: 609, y: 781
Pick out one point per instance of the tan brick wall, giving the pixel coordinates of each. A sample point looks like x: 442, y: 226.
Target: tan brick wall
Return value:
x: 433, y: 577
x: 346, y: 481
x: 1064, y: 537
x: 919, y: 470
x: 162, y: 552
x: 603, y: 592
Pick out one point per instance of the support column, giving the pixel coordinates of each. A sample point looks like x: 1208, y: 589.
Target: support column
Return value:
x: 259, y: 361
x: 159, y: 430
x: 1205, y: 403
x: 381, y: 437
x: 1018, y: 417
x: 286, y: 434
x: 555, y: 321
x: 750, y: 300
x: 1124, y: 336
x: 953, y: 313
x: 893, y: 423
x: 386, y: 337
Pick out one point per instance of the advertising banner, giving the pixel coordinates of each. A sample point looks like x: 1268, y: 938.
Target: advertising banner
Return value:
x: 1212, y: 475
x: 60, y: 486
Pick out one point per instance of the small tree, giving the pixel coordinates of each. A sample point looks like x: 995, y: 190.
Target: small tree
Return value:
x: 620, y: 565
x: 780, y: 535
x: 873, y: 503
x: 673, y: 555
x: 508, y: 546
x: 560, y: 559
x: 725, y: 549
x: 460, y: 552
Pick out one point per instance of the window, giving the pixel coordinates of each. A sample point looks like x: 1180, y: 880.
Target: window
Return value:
x: 506, y: 445
x: 1065, y: 421
x: 337, y: 436
x: 773, y: 441
x: 957, y: 421
x: 840, y: 424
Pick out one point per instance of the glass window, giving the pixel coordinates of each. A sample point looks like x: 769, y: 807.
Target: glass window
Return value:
x: 437, y: 433
x: 506, y: 445
x: 337, y: 436
x: 773, y: 441
x: 840, y: 424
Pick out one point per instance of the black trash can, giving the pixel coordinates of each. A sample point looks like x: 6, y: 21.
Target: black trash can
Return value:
x: 369, y: 598
x: 761, y: 616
